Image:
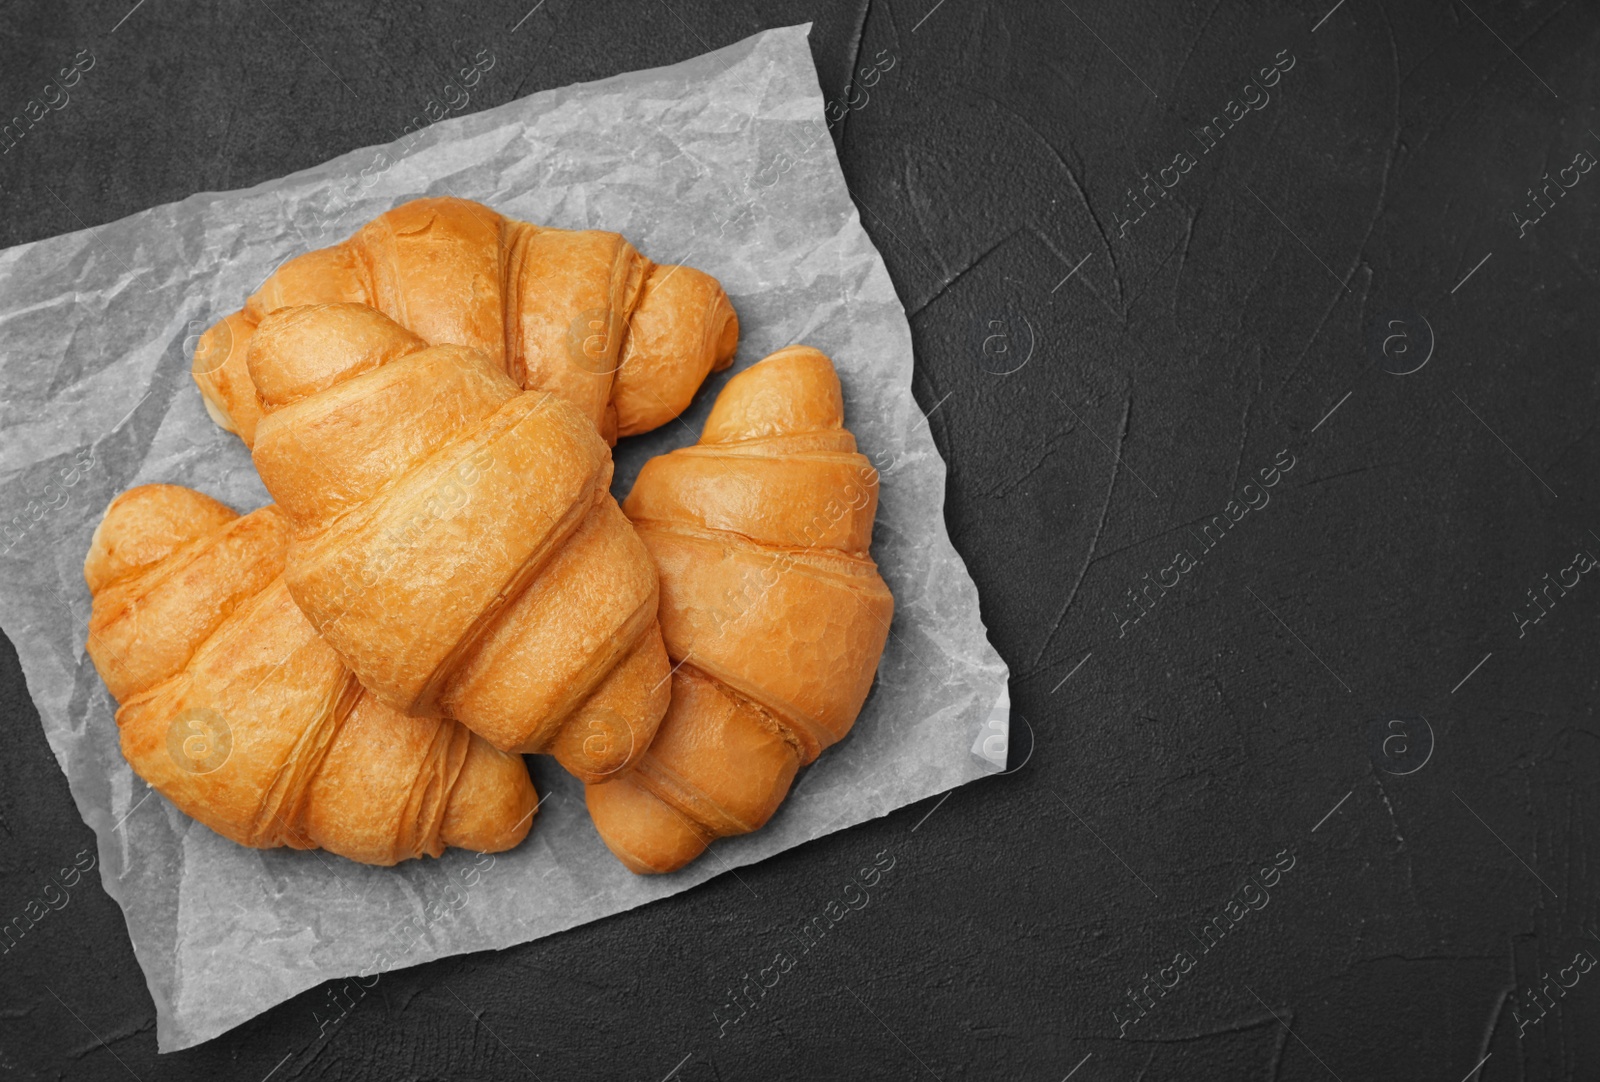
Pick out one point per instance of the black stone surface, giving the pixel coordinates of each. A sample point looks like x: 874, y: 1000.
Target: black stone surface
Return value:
x: 1242, y: 720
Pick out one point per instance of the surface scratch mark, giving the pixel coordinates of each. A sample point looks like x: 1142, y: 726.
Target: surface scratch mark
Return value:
x: 1244, y: 422
x: 1105, y: 507
x: 855, y: 58
x: 1350, y: 473
x: 1277, y: 1053
x: 1050, y: 444
x: 950, y: 281
x: 1494, y: 1021
x: 1105, y: 238
x: 1195, y: 44
x: 1244, y: 1025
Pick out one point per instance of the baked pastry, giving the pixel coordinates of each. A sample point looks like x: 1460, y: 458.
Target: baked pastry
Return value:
x: 578, y: 312
x: 236, y: 711
x: 774, y: 613
x: 455, y: 539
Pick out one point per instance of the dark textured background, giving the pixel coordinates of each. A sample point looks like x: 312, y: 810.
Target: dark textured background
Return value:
x: 1179, y: 359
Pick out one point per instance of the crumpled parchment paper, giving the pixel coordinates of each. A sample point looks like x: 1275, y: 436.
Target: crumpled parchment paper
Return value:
x: 723, y: 162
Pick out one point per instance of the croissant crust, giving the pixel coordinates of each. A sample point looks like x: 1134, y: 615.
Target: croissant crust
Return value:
x: 773, y: 611
x: 235, y: 709
x: 579, y: 313
x: 454, y: 538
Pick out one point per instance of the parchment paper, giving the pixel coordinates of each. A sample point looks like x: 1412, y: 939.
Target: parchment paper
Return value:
x: 722, y: 162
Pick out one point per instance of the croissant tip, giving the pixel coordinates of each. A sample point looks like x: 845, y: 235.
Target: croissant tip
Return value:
x: 647, y: 835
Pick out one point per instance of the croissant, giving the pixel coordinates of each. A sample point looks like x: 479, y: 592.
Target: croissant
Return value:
x: 580, y: 313
x: 455, y: 539
x: 773, y: 611
x: 240, y: 715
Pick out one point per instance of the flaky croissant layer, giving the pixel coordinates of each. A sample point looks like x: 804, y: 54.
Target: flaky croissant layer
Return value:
x: 455, y: 540
x: 773, y: 612
x: 579, y: 313
x: 236, y: 710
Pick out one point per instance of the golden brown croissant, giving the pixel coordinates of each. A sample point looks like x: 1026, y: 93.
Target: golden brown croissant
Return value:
x: 239, y: 714
x: 581, y: 313
x: 773, y: 610
x: 455, y: 539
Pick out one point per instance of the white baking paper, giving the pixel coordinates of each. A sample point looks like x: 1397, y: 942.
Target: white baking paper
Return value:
x: 723, y: 162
